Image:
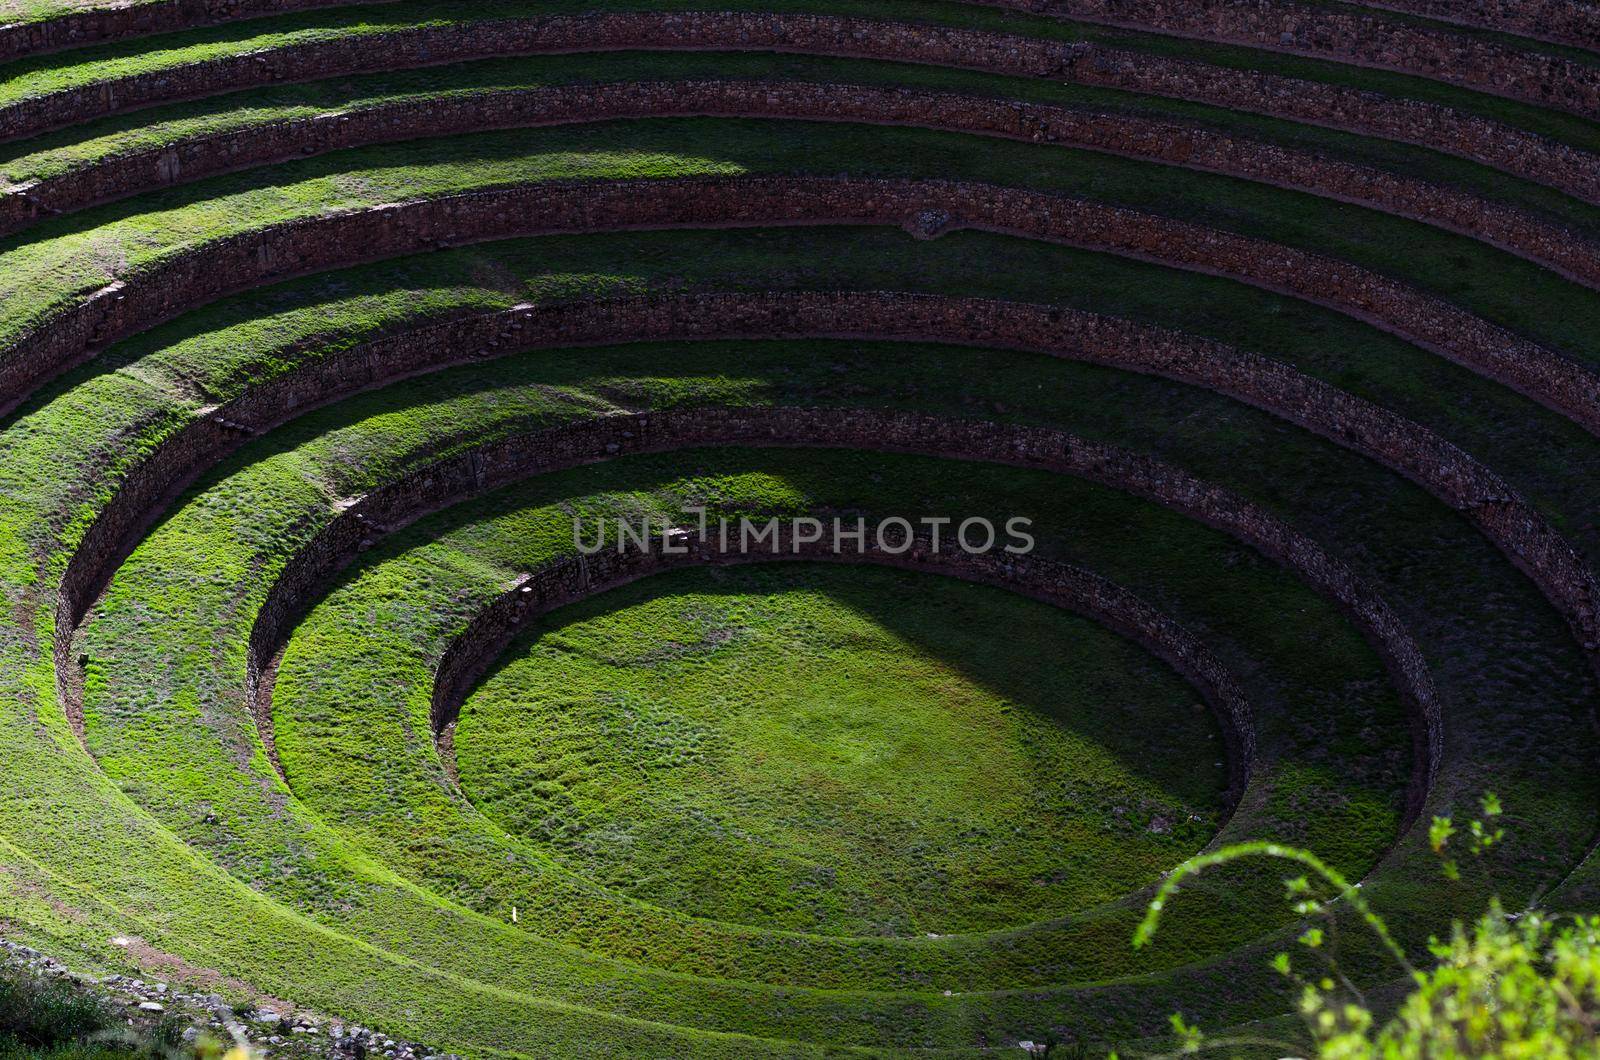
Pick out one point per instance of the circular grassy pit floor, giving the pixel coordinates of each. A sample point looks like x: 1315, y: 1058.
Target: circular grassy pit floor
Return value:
x: 843, y: 750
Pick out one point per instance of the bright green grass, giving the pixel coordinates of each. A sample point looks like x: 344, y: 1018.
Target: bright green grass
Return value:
x: 237, y: 339
x: 344, y: 704
x: 1341, y: 503
x: 210, y: 355
x: 845, y: 751
x: 1295, y: 805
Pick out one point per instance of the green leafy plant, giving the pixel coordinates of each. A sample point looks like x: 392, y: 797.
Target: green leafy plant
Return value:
x: 1512, y: 985
x: 1482, y: 835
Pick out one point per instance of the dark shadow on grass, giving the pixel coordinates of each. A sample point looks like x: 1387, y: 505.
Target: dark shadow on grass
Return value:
x: 1010, y: 664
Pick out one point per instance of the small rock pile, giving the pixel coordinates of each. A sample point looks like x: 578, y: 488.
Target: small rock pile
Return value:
x: 291, y: 1035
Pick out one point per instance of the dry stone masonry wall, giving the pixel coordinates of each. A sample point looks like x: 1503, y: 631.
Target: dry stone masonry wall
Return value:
x: 1571, y: 22
x: 1346, y: 36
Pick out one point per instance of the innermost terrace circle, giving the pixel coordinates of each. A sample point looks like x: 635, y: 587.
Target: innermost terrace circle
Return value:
x: 843, y: 750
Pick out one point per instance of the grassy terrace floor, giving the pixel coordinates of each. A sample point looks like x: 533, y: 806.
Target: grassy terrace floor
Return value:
x: 660, y: 740
x: 981, y: 776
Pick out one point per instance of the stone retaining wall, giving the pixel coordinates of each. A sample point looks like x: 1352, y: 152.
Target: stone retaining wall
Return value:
x: 928, y: 208
x: 1575, y: 23
x: 1440, y: 128
x: 1190, y: 146
x: 1351, y: 37
x: 567, y: 581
